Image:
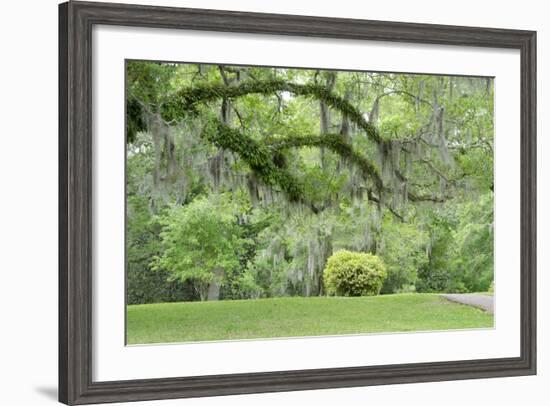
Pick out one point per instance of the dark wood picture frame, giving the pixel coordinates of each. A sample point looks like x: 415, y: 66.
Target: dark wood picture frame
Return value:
x: 76, y: 20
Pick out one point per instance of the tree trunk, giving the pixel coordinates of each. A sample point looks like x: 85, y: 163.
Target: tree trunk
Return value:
x: 202, y: 288
x: 326, y: 252
x: 213, y: 292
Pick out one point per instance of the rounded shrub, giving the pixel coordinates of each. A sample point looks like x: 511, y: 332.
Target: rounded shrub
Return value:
x: 354, y: 274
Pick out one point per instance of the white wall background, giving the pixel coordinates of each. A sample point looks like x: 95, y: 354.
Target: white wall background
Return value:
x: 28, y: 201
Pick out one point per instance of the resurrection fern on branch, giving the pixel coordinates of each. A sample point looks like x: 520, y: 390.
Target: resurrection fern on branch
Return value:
x: 187, y: 99
x: 256, y: 155
x: 269, y: 164
x: 261, y: 160
x: 337, y: 144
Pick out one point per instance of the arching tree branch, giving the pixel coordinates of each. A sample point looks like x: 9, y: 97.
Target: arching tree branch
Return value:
x: 187, y: 99
x: 260, y: 157
x: 256, y: 155
x: 337, y: 144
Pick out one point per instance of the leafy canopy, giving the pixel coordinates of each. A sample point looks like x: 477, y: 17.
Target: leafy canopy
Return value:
x: 201, y: 241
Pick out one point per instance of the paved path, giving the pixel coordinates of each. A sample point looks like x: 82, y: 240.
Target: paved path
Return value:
x: 485, y: 302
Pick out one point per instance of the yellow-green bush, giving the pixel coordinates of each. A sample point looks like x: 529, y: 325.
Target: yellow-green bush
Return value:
x: 354, y: 274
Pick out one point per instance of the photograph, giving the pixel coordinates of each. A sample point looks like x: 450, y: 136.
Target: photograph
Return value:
x: 269, y: 202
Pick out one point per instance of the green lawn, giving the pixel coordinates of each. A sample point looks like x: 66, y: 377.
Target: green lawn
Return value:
x: 297, y: 316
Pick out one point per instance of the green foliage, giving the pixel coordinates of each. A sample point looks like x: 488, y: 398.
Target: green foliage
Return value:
x: 337, y: 144
x: 256, y: 156
x: 289, y: 168
x: 245, y: 286
x: 201, y: 242
x: 143, y: 284
x: 187, y: 99
x: 147, y: 286
x: 461, y: 252
x: 270, y: 275
x: 354, y: 274
x: 147, y: 83
x: 402, y: 246
x: 135, y: 121
x: 473, y: 255
x: 437, y: 274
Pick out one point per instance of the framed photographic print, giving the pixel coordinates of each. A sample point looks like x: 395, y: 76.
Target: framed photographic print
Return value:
x: 258, y: 202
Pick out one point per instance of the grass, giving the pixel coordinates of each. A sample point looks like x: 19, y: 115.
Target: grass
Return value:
x: 297, y: 316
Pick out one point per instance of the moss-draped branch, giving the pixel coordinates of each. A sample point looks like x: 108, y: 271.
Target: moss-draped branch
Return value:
x: 337, y: 144
x: 260, y: 160
x: 260, y: 156
x: 188, y: 99
x: 256, y: 155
